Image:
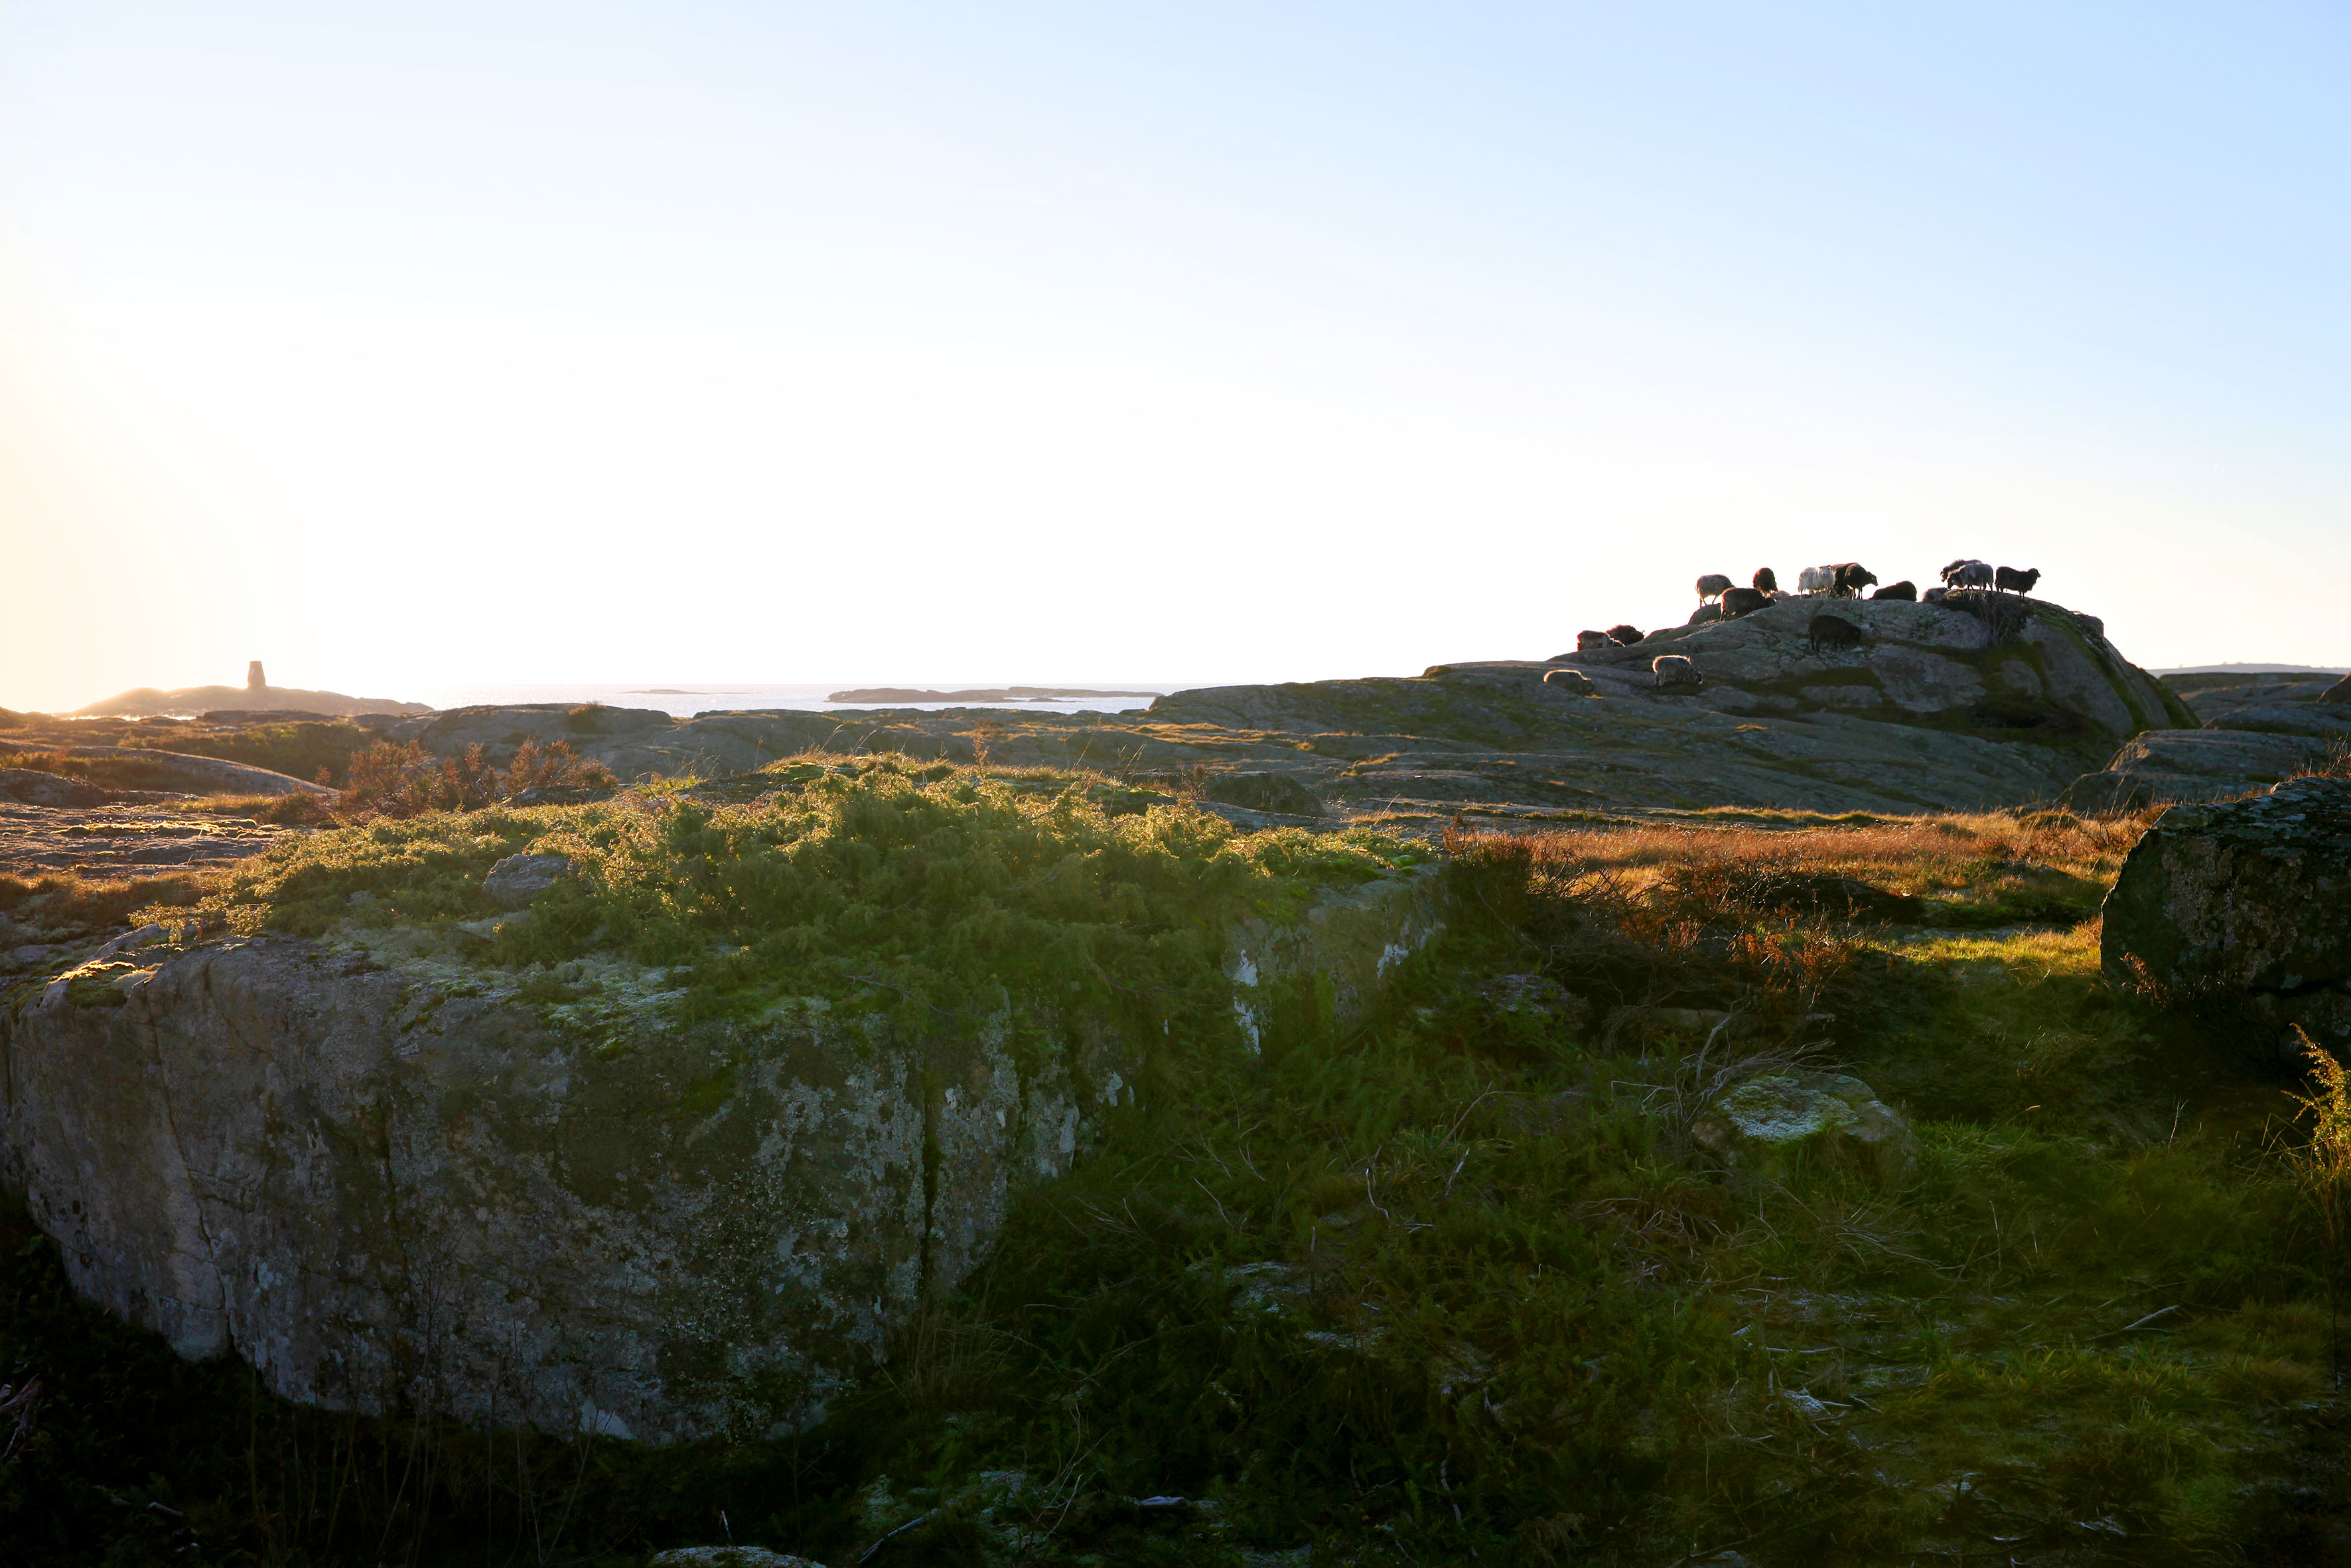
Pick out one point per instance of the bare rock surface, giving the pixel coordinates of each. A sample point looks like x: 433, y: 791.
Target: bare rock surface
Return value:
x: 387, y: 1179
x: 2246, y: 901
x: 110, y: 842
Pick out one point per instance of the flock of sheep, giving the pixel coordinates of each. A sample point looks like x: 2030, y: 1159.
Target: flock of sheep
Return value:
x: 1719, y: 600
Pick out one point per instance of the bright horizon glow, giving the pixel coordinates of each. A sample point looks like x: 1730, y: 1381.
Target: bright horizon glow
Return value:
x: 909, y: 344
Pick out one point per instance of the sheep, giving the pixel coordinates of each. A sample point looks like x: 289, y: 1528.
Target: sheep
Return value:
x: 1625, y: 634
x: 1670, y: 671
x: 1593, y: 642
x: 1704, y: 613
x: 1766, y: 581
x: 1574, y: 683
x: 1934, y: 596
x: 1946, y: 573
x: 1906, y: 588
x: 2008, y: 580
x: 1711, y: 586
x: 1830, y: 632
x: 1744, y: 601
x: 1817, y: 580
x: 1970, y: 574
x: 1852, y: 577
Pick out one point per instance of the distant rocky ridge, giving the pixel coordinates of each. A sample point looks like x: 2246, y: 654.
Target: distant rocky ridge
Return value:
x: 990, y: 694
x: 1935, y: 708
x: 145, y: 700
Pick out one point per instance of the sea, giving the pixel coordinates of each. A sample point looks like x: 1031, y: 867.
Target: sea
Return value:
x: 683, y: 699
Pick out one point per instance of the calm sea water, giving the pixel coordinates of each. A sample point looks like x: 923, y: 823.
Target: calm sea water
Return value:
x: 683, y: 699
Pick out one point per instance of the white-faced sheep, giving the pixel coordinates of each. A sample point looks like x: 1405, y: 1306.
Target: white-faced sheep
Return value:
x: 1574, y: 683
x: 1743, y: 601
x: 1906, y: 588
x: 1711, y: 586
x: 2008, y: 580
x: 1670, y: 671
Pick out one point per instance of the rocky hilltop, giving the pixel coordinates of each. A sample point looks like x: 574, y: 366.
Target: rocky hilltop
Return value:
x: 2004, y: 701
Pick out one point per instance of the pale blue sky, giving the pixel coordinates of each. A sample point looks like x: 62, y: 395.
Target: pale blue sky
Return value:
x: 506, y: 342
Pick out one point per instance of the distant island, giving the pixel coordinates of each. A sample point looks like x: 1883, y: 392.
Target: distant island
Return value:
x: 998, y: 694
x: 256, y: 694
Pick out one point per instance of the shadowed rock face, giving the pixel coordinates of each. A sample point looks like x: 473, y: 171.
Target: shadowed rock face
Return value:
x: 1938, y: 709
x: 2246, y: 901
x: 389, y: 1181
x: 2257, y: 730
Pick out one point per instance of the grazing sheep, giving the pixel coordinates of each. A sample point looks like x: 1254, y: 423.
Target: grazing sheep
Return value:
x: 1934, y: 596
x: 1906, y: 588
x: 1852, y: 577
x: 1625, y: 633
x: 2008, y: 580
x: 1674, y: 670
x: 1830, y: 632
x: 1711, y: 586
x: 1817, y: 580
x: 1766, y: 581
x: 1970, y: 574
x: 1744, y: 601
x: 1592, y: 642
x: 1704, y: 613
x: 1574, y: 683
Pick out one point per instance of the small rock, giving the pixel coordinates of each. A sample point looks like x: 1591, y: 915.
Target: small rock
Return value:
x: 31, y: 954
x: 520, y: 881
x: 726, y: 1557
x: 1825, y: 892
x: 1775, y: 1121
x: 1280, y: 792
x: 26, y: 787
x: 1536, y: 998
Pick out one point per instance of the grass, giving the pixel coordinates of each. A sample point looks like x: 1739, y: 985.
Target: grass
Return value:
x: 1461, y: 1286
x: 857, y: 878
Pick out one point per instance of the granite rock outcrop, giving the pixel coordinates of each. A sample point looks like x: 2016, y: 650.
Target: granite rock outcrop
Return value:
x: 2246, y: 902
x: 389, y: 1179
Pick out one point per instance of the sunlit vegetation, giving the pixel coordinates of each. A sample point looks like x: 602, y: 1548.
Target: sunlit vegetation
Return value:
x: 1458, y: 1286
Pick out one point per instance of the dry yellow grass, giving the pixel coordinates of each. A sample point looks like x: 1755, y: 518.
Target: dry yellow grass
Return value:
x: 1920, y: 854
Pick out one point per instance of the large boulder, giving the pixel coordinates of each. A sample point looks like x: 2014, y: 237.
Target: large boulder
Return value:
x: 387, y: 1179
x: 2244, y: 903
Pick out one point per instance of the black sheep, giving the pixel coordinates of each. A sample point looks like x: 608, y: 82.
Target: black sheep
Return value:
x: 1831, y: 632
x: 1906, y: 588
x: 1852, y: 577
x: 1766, y: 581
x: 2008, y: 580
x: 1742, y: 600
x: 1625, y: 634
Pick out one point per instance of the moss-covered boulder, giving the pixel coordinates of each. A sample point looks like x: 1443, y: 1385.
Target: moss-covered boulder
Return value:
x: 2245, y: 901
x: 674, y: 1151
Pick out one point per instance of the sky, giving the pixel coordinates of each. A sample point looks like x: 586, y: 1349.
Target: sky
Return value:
x: 902, y: 343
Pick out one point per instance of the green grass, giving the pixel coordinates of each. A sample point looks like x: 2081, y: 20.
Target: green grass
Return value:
x: 1460, y: 1286
x: 869, y: 878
